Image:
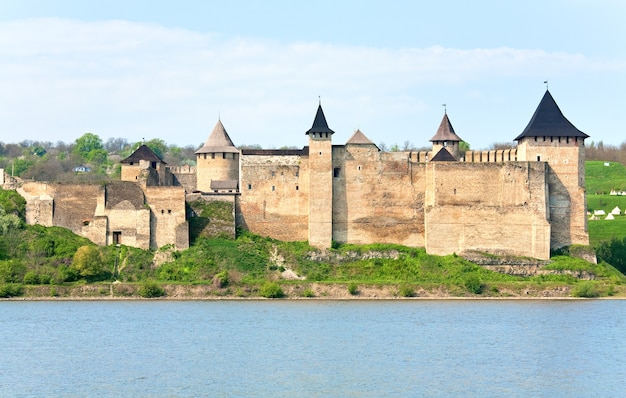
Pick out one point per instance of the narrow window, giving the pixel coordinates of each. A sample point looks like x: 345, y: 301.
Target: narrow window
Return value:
x: 117, y: 237
x: 249, y: 186
x: 169, y: 211
x: 336, y: 172
x: 162, y: 211
x: 297, y: 173
x: 204, y: 155
x: 273, y: 174
x: 297, y: 188
x: 213, y: 156
x: 224, y: 155
x: 538, y: 158
x: 359, y: 168
x: 320, y: 153
x: 273, y: 188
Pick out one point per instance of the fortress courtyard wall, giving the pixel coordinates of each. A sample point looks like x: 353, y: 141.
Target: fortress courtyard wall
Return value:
x: 377, y: 197
x: 274, y: 197
x: 168, y: 224
x: 500, y: 208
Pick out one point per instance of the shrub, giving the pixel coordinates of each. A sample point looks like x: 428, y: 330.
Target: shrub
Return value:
x: 586, y: 289
x: 221, y: 280
x: 10, y: 290
x: 473, y: 285
x: 150, y: 289
x: 271, y: 290
x: 31, y: 278
x: 308, y: 293
x: 406, y: 291
x: 353, y: 288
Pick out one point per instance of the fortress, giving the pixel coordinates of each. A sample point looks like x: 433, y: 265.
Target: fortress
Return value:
x: 523, y: 201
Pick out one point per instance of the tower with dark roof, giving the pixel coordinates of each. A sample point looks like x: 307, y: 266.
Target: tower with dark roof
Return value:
x: 446, y: 138
x: 144, y: 166
x: 320, y: 182
x: 217, y: 162
x: 549, y: 137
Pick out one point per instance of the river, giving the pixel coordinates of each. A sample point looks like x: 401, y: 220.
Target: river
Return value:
x: 317, y: 348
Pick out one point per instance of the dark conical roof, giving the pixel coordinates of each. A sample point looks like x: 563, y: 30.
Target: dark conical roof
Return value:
x: 319, y: 124
x: 143, y: 153
x: 548, y: 121
x: 218, y: 141
x: 445, y: 132
x: 443, y: 156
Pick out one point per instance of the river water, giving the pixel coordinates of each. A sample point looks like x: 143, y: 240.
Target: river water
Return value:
x: 300, y: 348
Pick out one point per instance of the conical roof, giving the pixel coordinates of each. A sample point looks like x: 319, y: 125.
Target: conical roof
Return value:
x: 443, y: 156
x: 359, y: 138
x: 319, y: 124
x: 143, y: 153
x: 218, y: 142
x: 445, y: 132
x: 548, y: 121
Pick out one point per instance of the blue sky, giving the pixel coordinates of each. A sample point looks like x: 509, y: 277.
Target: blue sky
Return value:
x: 170, y: 69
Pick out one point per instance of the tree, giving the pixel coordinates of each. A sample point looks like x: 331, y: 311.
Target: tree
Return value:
x: 89, y: 146
x: 464, y: 147
x: 88, y: 262
x: 8, y: 221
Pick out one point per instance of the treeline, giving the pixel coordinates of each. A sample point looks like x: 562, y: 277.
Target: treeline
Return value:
x: 88, y: 158
x: 606, y: 153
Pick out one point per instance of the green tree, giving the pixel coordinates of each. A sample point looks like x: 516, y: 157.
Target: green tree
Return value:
x: 8, y: 221
x: 464, y: 147
x: 88, y: 262
x: 12, y: 203
x: 88, y: 146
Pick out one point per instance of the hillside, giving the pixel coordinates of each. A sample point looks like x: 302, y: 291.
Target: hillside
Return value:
x: 600, y: 181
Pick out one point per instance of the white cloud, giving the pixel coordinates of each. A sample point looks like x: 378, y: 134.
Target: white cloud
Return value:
x: 62, y: 78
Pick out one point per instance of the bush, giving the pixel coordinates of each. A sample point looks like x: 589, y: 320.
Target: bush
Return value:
x: 586, y: 289
x: 10, y: 290
x: 221, y: 280
x: 31, y: 278
x: 353, y: 288
x: 406, y: 291
x: 473, y: 285
x: 150, y: 289
x: 308, y: 293
x: 271, y: 290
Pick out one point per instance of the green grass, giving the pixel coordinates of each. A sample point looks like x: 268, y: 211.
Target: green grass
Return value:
x: 602, y: 179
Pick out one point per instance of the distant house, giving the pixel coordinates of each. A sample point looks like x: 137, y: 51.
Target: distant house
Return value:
x: 81, y: 169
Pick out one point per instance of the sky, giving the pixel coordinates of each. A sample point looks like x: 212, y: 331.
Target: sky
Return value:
x: 171, y: 69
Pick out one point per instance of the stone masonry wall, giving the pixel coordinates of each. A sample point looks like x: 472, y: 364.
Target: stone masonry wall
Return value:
x: 274, y: 197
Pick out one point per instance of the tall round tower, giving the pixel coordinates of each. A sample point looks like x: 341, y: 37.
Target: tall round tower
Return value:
x: 217, y: 162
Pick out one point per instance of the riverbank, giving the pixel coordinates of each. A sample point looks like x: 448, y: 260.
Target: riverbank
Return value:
x: 311, y: 291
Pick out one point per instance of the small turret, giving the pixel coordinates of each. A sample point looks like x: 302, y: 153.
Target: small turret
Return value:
x: 144, y: 166
x: 218, y: 162
x: 446, y: 138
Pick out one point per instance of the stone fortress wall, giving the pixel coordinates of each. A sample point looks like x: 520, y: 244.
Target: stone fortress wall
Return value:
x: 523, y: 201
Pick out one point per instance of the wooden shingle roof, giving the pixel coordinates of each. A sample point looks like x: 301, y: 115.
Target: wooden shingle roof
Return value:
x: 319, y: 124
x: 143, y: 153
x: 445, y: 132
x: 218, y: 141
x: 548, y: 121
x: 443, y: 156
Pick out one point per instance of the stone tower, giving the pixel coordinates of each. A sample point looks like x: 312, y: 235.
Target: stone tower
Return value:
x: 446, y: 138
x: 145, y: 167
x: 218, y: 162
x: 320, y: 182
x: 551, y: 138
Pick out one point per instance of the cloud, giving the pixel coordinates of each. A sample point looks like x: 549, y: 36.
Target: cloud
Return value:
x: 63, y: 78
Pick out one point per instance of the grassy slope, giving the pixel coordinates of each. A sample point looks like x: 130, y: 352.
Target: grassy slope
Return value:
x: 600, y: 180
